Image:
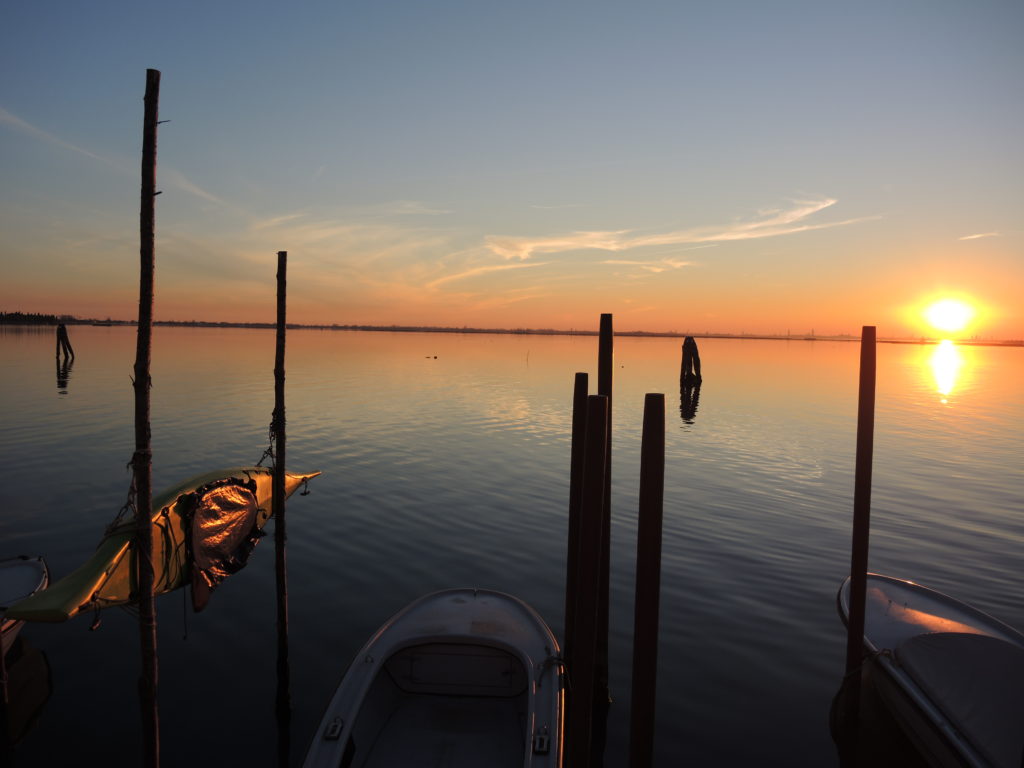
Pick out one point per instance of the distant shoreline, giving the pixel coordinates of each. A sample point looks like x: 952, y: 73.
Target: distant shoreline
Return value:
x: 17, y: 318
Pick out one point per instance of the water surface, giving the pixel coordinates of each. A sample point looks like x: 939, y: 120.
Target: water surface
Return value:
x: 445, y: 461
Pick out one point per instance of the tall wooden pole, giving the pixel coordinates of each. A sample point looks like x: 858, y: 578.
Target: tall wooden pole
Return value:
x: 648, y: 583
x: 579, y: 431
x: 605, y: 366
x: 581, y: 746
x: 861, y: 517
x: 280, y: 532
x: 142, y: 460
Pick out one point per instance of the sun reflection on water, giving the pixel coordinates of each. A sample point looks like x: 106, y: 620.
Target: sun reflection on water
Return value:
x: 946, y: 362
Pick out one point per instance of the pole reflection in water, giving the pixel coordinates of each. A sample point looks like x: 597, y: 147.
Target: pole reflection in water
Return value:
x: 946, y: 362
x: 64, y: 374
x: 689, y: 397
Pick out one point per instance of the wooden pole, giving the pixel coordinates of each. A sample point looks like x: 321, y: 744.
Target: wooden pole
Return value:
x: 583, y: 670
x: 861, y: 517
x: 142, y: 460
x: 648, y: 583
x: 605, y: 366
x: 280, y: 532
x: 579, y: 431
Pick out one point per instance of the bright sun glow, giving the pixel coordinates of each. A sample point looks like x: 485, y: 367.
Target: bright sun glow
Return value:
x: 950, y: 315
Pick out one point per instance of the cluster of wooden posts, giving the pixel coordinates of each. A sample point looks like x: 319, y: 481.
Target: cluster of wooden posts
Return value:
x: 587, y: 568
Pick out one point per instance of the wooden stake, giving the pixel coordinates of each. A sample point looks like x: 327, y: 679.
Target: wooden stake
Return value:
x: 142, y: 460
x: 648, y: 583
x: 605, y: 365
x: 861, y: 517
x: 579, y: 432
x: 280, y: 532
x: 580, y: 736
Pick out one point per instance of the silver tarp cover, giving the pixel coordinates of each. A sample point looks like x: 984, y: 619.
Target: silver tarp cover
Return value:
x: 223, y: 533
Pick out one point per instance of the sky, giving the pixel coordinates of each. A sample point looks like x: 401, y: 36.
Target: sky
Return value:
x: 737, y: 166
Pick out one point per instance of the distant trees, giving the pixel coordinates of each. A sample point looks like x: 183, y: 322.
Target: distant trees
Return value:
x: 34, y: 318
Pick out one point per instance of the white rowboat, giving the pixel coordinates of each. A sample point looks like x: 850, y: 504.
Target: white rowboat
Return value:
x: 463, y: 677
x: 19, y: 577
x: 952, y: 675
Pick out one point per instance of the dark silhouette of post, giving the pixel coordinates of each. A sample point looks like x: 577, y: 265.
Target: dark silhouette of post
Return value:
x: 690, y: 370
x: 583, y: 670
x: 579, y: 432
x: 861, y: 518
x: 648, y: 583
x: 64, y: 374
x: 142, y: 460
x: 605, y: 367
x: 64, y: 343
x: 283, y: 702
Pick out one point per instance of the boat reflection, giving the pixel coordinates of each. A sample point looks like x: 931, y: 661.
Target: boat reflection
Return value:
x: 28, y: 689
x: 946, y: 361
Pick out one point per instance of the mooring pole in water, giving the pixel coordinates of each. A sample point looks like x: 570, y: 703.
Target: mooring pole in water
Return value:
x: 284, y: 704
x: 64, y: 343
x: 579, y: 432
x: 648, y: 583
x: 583, y: 667
x: 142, y: 460
x: 861, y: 517
x: 605, y: 366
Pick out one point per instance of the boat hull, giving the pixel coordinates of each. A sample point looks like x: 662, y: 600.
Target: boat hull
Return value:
x: 108, y: 577
x: 459, y: 678
x: 950, y: 674
x: 20, y: 577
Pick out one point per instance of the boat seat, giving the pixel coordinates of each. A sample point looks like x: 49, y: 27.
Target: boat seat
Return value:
x: 978, y: 683
x: 457, y: 669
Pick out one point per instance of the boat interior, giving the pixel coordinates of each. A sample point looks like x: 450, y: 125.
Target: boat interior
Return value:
x: 447, y: 705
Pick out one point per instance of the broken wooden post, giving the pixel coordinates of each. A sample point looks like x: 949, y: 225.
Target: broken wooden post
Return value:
x: 605, y: 367
x: 689, y: 372
x: 64, y: 343
x: 861, y: 518
x: 583, y: 671
x: 579, y: 431
x: 283, y: 703
x: 142, y: 460
x: 648, y: 583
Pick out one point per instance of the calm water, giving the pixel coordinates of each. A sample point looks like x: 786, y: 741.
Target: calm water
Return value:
x: 445, y: 461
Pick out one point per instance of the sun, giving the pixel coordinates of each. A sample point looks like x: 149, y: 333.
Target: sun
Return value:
x: 950, y: 315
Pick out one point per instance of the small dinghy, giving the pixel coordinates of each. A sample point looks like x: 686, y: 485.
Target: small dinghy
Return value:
x: 20, y: 577
x: 952, y: 675
x: 460, y: 678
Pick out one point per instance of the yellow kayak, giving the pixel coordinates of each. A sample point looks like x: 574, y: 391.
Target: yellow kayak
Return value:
x: 203, y: 530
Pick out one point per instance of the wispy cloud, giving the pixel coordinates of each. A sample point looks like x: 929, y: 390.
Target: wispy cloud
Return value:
x: 770, y: 223
x: 652, y: 266
x: 978, y: 237
x: 26, y: 127
x: 481, y: 271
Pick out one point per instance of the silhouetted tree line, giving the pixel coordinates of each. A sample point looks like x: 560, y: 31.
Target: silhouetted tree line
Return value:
x: 35, y: 318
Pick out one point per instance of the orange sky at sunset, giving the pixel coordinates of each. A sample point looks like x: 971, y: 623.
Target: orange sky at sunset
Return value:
x: 780, y: 170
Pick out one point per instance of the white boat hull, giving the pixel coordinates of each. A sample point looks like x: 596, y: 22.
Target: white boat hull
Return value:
x: 458, y: 678
x: 20, y: 577
x: 952, y: 676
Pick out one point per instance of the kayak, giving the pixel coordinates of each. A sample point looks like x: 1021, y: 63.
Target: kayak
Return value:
x: 203, y: 530
x: 20, y: 577
x: 463, y: 677
x: 952, y: 676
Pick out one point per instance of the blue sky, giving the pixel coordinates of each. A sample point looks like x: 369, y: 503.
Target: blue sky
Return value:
x: 737, y: 166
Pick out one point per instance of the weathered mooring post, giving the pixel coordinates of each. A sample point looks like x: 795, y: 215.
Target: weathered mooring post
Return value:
x: 579, y: 432
x: 64, y: 343
x: 602, y: 699
x: 648, y: 583
x: 283, y: 699
x: 689, y: 372
x: 861, y: 519
x: 142, y: 460
x: 580, y: 737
